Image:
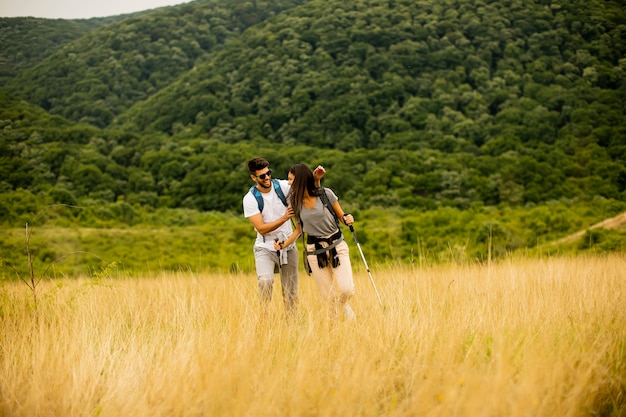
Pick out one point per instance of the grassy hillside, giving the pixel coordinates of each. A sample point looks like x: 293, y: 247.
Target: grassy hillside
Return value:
x: 66, y: 241
x: 541, y: 336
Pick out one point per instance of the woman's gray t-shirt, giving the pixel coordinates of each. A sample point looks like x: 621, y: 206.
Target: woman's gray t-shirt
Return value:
x: 319, y: 221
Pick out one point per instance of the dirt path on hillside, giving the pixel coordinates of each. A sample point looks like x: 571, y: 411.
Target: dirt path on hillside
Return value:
x: 617, y: 222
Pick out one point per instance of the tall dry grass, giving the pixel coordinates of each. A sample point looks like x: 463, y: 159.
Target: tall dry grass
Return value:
x: 540, y: 337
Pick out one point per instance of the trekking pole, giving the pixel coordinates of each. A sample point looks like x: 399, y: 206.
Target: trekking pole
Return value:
x: 358, y: 245
x: 278, y: 254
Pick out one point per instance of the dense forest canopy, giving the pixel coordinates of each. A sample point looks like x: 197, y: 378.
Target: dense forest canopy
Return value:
x: 101, y: 74
x: 414, y: 104
x: 27, y: 40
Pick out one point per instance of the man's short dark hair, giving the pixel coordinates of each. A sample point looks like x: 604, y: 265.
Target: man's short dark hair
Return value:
x: 256, y: 164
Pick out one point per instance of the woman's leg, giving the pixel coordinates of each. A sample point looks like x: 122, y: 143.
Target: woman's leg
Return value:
x: 323, y: 276
x: 343, y: 273
x: 336, y: 298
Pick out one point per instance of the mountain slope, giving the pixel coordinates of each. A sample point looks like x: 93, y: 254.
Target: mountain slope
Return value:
x: 25, y: 41
x: 413, y: 104
x: 106, y: 71
x: 450, y: 75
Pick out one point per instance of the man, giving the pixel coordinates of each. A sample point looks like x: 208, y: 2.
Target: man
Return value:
x: 266, y: 207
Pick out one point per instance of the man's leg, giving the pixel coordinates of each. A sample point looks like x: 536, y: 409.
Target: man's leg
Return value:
x: 265, y: 262
x: 289, y: 281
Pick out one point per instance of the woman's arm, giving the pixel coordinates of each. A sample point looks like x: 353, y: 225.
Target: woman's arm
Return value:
x: 284, y: 243
x: 347, y: 219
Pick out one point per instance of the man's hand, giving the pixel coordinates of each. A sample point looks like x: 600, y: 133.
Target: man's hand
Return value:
x: 288, y: 212
x: 318, y: 174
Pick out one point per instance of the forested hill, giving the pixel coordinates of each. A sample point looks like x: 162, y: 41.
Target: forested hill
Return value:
x: 451, y: 75
x: 100, y: 75
x: 424, y: 103
x: 25, y: 41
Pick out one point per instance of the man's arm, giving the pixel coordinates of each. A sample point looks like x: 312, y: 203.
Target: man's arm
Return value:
x: 265, y: 228
x: 318, y: 174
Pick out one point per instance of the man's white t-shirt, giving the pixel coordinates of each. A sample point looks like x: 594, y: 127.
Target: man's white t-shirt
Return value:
x: 273, y: 209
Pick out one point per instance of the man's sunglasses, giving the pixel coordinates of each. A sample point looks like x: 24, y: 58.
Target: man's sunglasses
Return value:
x: 265, y: 174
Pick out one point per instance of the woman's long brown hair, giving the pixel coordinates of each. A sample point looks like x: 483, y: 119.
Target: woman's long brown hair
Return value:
x: 303, y: 181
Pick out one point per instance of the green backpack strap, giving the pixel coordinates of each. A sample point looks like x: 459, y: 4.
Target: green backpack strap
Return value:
x: 305, y: 260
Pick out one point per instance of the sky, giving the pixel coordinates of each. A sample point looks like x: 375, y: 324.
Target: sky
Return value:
x: 78, y: 9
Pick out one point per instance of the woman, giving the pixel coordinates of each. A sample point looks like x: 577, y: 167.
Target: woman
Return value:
x: 317, y: 210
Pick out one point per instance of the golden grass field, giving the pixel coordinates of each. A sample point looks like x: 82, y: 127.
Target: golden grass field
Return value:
x: 527, y: 337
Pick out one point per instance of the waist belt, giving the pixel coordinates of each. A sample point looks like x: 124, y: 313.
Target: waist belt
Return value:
x: 321, y: 251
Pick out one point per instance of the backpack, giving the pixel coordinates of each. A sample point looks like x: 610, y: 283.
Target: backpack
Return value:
x: 259, y: 198
x: 326, y: 203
